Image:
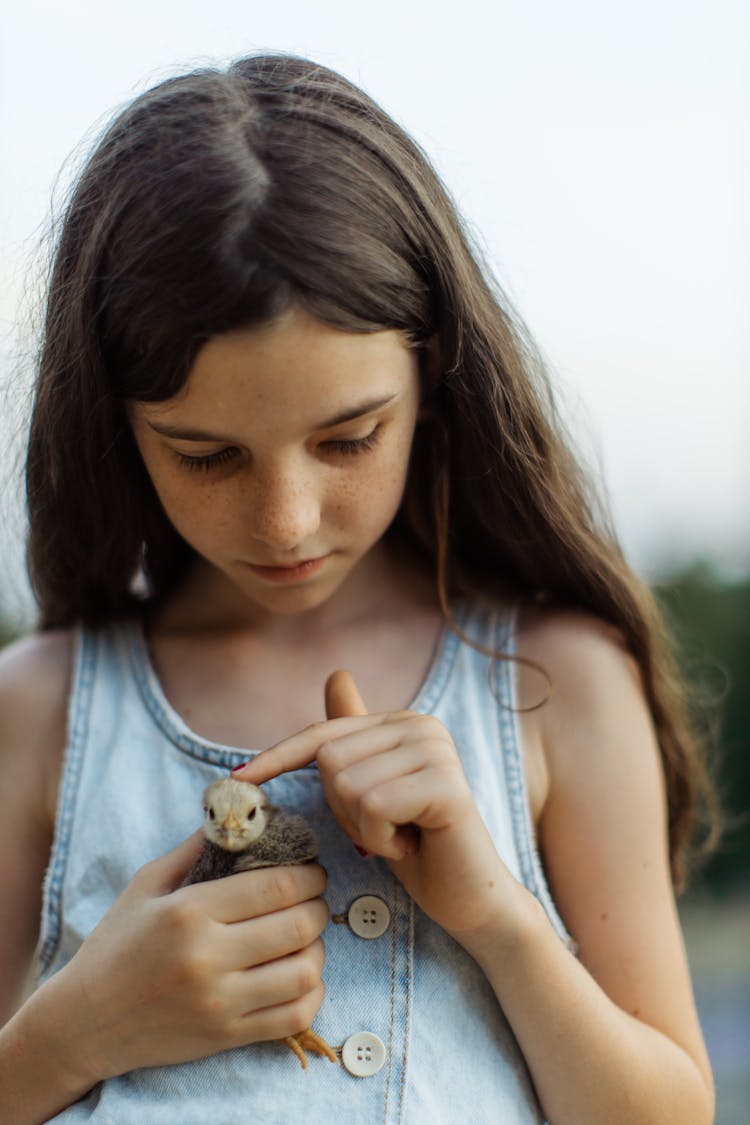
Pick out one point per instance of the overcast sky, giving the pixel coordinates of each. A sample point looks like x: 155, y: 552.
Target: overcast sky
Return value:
x: 600, y: 154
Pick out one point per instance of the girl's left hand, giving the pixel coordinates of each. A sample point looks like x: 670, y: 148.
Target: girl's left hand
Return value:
x: 395, y: 784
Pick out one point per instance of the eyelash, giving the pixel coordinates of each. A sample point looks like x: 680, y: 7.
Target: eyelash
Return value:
x: 355, y: 445
x: 208, y: 462
x: 348, y: 446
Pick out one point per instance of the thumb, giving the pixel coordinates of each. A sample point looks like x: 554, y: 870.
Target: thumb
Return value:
x: 162, y: 875
x: 342, y: 696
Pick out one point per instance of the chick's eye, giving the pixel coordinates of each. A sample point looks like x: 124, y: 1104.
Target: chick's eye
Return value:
x: 251, y: 814
x: 211, y: 814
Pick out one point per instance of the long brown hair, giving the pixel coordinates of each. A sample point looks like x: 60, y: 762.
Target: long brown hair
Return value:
x: 217, y: 200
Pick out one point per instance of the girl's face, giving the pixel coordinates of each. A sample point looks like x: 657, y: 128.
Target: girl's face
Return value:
x: 289, y: 442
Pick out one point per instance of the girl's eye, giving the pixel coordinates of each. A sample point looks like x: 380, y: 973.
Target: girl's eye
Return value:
x: 209, y: 461
x: 347, y: 446
x: 354, y: 445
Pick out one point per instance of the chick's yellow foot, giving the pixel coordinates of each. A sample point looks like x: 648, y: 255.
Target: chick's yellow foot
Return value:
x: 307, y: 1040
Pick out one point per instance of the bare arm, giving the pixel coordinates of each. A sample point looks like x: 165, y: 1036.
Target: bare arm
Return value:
x: 612, y: 1036
x: 34, y: 675
x: 33, y: 689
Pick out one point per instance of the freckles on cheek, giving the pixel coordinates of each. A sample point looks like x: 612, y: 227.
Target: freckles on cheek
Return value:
x: 363, y: 500
x: 195, y: 513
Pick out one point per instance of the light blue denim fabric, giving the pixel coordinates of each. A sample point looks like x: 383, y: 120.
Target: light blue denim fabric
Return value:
x: 131, y: 790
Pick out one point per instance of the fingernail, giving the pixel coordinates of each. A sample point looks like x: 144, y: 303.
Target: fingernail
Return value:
x: 242, y: 767
x: 362, y: 851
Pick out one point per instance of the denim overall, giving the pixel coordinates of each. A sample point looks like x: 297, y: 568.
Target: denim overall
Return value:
x: 423, y: 1036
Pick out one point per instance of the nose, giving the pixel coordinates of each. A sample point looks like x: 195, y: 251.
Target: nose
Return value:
x: 285, y: 511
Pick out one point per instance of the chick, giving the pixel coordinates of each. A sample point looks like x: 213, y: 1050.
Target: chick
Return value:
x: 244, y: 830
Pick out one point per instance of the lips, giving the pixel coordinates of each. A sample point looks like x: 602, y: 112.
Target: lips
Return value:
x: 289, y: 573
x: 284, y: 565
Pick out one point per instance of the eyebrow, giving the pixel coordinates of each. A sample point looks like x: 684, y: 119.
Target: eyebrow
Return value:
x: 190, y: 434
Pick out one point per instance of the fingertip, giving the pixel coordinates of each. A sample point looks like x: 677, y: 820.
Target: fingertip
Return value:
x: 324, y: 873
x: 251, y: 772
x: 342, y: 696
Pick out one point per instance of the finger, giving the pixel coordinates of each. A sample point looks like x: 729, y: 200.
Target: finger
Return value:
x: 279, y: 1021
x: 354, y: 782
x: 346, y: 789
x: 259, y: 940
x: 250, y: 894
x: 416, y: 799
x: 384, y: 838
x: 342, y: 696
x: 301, y: 749
x: 340, y: 754
x: 421, y: 798
x: 278, y: 981
x: 164, y: 874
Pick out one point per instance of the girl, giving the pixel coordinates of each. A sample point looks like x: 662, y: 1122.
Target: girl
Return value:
x: 283, y: 425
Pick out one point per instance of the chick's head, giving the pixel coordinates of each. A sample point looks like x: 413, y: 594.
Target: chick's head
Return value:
x: 235, y: 814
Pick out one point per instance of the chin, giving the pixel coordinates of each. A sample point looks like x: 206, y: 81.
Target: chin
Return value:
x: 290, y: 600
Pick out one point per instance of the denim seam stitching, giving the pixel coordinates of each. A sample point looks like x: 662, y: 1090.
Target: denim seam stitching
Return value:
x: 218, y: 754
x: 431, y: 691
x: 79, y: 711
x: 407, y: 1005
x: 213, y: 753
x: 510, y: 741
x: 392, y: 1022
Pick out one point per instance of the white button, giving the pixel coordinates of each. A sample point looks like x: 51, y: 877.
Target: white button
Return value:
x: 363, y: 1054
x: 369, y: 917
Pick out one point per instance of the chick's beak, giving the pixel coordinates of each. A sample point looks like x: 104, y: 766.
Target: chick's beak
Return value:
x: 230, y: 823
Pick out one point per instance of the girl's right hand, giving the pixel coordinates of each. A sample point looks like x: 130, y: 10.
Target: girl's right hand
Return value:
x: 171, y: 975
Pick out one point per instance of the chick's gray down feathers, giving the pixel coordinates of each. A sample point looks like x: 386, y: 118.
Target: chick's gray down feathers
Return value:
x: 287, y: 838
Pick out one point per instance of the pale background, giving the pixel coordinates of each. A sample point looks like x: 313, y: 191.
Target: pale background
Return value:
x: 599, y: 154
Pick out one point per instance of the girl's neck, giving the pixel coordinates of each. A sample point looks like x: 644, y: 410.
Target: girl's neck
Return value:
x: 245, y: 680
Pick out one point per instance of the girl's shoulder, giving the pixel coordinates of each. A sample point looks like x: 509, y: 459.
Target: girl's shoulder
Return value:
x: 577, y: 651
x: 602, y: 825
x: 580, y: 698
x: 35, y: 675
x: 576, y: 665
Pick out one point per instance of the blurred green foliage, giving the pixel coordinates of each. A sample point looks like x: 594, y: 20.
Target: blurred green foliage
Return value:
x: 7, y: 634
x: 710, y: 623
